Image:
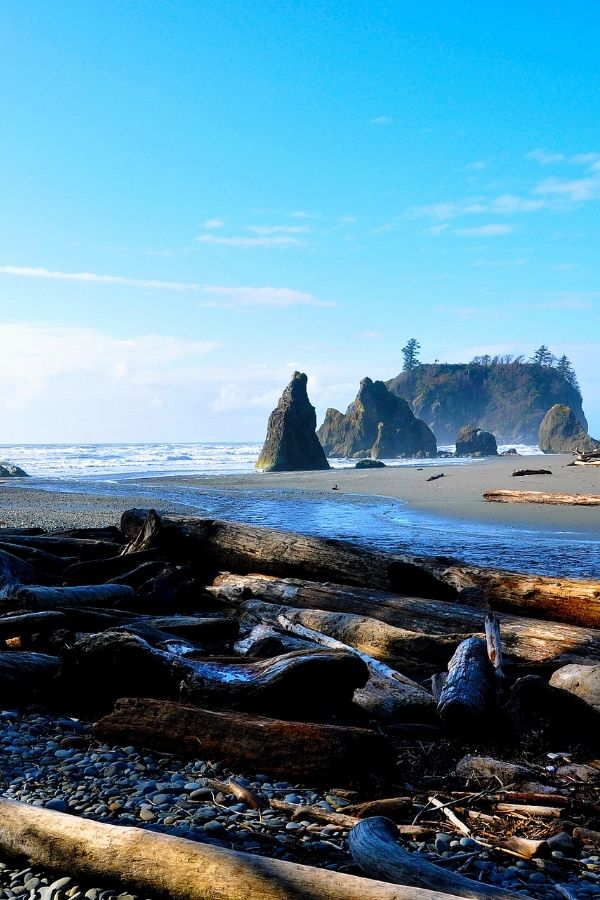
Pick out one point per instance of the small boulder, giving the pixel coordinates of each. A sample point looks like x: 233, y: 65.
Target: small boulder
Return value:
x: 369, y: 464
x: 7, y: 470
x: 562, y: 432
x: 581, y: 680
x: 471, y: 441
x: 291, y: 444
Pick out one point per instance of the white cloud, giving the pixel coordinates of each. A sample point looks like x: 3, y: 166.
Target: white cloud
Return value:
x: 234, y: 295
x: 276, y: 240
x: 491, y: 230
x: 381, y: 120
x: 573, y: 190
x: 370, y: 335
x: 544, y: 157
x: 213, y: 223
x: 277, y: 229
x: 511, y: 204
x: 477, y: 166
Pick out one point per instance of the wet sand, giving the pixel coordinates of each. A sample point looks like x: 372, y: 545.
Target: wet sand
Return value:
x: 456, y: 496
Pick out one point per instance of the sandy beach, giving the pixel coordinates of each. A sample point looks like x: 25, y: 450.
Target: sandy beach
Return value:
x: 456, y: 496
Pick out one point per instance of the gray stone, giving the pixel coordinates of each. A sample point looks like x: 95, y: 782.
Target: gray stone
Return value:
x: 472, y: 441
x: 291, y: 444
x: 562, y: 432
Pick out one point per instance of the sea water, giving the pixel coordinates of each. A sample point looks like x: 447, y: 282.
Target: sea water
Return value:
x: 381, y: 522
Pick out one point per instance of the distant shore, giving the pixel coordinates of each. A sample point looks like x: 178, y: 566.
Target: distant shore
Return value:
x: 456, y: 496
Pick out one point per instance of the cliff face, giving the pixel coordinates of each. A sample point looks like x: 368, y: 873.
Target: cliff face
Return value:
x: 377, y: 424
x: 510, y: 400
x: 561, y: 432
x: 291, y: 444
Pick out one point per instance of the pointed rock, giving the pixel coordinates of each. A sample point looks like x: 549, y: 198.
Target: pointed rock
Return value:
x: 291, y: 444
x: 561, y: 432
x: 377, y: 424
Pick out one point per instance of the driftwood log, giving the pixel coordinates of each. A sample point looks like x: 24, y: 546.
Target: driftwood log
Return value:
x: 467, y: 695
x: 174, y: 867
x: 374, y: 847
x: 27, y: 624
x: 520, y: 472
x: 47, y: 598
x: 246, y: 548
x: 24, y: 673
x: 529, y: 639
x: 304, y: 751
x: 502, y: 496
x: 98, y: 571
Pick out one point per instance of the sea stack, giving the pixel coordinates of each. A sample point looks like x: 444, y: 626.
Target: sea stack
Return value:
x: 562, y: 432
x: 378, y: 424
x: 472, y: 441
x: 291, y: 444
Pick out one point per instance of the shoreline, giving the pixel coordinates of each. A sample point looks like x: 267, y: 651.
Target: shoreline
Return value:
x: 458, y: 496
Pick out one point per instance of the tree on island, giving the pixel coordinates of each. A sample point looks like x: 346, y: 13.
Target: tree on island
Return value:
x: 410, y: 352
x: 564, y: 368
x: 543, y: 357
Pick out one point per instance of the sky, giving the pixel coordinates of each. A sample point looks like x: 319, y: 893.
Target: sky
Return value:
x: 198, y: 198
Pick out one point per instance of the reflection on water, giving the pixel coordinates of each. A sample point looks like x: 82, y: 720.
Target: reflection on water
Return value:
x: 376, y: 522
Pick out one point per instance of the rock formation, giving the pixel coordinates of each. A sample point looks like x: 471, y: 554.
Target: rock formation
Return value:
x: 7, y: 470
x: 471, y: 441
x: 369, y: 464
x: 561, y: 432
x: 508, y: 399
x: 377, y: 424
x: 291, y: 444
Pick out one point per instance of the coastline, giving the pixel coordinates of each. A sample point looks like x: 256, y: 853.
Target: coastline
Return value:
x: 457, y: 496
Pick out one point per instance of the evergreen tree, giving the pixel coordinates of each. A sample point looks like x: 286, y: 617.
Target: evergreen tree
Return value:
x: 564, y: 368
x: 543, y: 357
x: 410, y: 352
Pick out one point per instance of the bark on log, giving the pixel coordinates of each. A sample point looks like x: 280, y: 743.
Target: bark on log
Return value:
x: 483, y: 769
x: 374, y: 847
x: 521, y: 472
x: 15, y: 571
x: 316, y: 754
x: 23, y: 673
x: 494, y: 648
x: 159, y: 864
x: 109, y: 533
x: 31, y: 623
x: 249, y: 548
x: 98, y: 571
x: 305, y: 683
x: 394, y: 808
x: 204, y: 629
x: 264, y: 642
x: 47, y: 598
x: 46, y: 563
x: 528, y: 639
x: 82, y: 548
x: 135, y: 578
x: 467, y: 696
x: 555, y: 498
x: 399, y: 648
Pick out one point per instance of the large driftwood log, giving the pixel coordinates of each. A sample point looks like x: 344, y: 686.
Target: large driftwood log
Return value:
x: 555, y: 498
x: 23, y: 673
x: 46, y: 598
x: 15, y: 571
x: 397, y: 647
x: 527, y: 639
x: 31, y: 623
x: 45, y: 563
x: 467, y: 695
x: 83, y: 548
x: 98, y: 571
x: 158, y: 864
x: 246, y: 548
x: 299, y: 751
x: 249, y: 548
x: 374, y: 847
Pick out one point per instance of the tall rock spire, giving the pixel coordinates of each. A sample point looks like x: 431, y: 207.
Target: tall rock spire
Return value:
x: 291, y: 444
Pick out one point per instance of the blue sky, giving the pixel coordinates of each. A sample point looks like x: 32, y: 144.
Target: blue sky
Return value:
x: 198, y: 198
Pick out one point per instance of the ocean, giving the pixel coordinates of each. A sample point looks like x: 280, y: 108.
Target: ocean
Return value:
x: 121, y: 469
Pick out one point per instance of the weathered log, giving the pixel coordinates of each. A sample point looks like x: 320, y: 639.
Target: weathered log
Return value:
x: 502, y: 496
x: 265, y: 641
x: 524, y: 847
x: 521, y: 472
x: 250, y: 548
x: 151, y: 535
x: 82, y: 548
x: 528, y: 639
x: 24, y: 673
x: 394, y: 808
x: 587, y: 836
x: 245, y: 548
x: 173, y: 867
x: 47, y: 598
x: 529, y: 811
x: 138, y: 576
x: 204, y: 629
x: 305, y: 683
x: 467, y: 696
x: 109, y: 533
x: 27, y: 624
x: 494, y: 648
x: 16, y: 571
x: 174, y: 590
x: 374, y: 847
x: 396, y: 647
x: 536, y: 709
x: 98, y: 571
x: 484, y: 769
x: 583, y: 681
x: 298, y: 751
x: 8, y: 530
x: 44, y: 562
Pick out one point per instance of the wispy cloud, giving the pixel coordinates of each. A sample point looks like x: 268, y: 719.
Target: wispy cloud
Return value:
x: 545, y: 157
x: 217, y: 295
x: 572, y: 190
x: 370, y: 335
x: 492, y: 230
x: 272, y: 240
x: 478, y: 166
x: 213, y: 223
x: 277, y: 229
x: 381, y: 120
